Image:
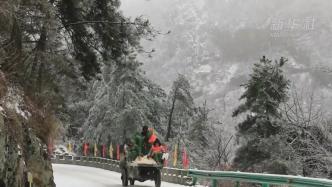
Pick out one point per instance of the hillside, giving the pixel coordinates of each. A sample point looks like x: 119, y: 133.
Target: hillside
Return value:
x: 214, y: 43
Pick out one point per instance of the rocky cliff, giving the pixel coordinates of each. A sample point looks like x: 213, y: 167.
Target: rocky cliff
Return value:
x: 21, y: 150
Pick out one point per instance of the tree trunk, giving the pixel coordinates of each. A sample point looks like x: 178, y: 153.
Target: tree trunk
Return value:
x: 169, y: 127
x: 14, y: 49
x: 16, y: 36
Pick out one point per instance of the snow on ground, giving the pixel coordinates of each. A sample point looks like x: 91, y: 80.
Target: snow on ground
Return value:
x: 81, y: 176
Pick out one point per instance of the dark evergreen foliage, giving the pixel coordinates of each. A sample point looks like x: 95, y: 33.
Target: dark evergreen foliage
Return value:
x: 264, y: 92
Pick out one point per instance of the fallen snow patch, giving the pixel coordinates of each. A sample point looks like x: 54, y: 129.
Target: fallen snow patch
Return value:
x: 14, y: 101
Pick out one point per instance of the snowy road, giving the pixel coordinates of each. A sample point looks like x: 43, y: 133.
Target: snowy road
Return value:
x: 80, y: 176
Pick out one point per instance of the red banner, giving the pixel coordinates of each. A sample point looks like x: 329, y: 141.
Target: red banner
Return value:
x: 50, y: 146
x: 185, y: 159
x: 118, y: 152
x: 104, y: 151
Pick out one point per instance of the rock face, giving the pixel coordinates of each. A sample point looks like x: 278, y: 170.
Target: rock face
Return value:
x: 21, y: 151
x: 2, y: 153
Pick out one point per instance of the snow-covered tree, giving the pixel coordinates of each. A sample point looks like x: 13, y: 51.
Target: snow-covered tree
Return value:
x: 199, y: 129
x: 221, y: 149
x: 307, y: 135
x: 181, y: 105
x: 264, y: 92
x: 50, y: 49
x: 122, y: 102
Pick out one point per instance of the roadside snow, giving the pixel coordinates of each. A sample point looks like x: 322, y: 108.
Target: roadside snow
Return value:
x: 80, y: 176
x: 14, y: 101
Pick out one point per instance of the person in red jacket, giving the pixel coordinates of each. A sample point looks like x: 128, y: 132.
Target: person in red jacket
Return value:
x: 149, y: 137
x: 156, y: 151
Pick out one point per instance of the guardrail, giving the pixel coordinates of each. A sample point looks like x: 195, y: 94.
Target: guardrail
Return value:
x: 172, y: 175
x: 266, y: 180
x: 96, y: 162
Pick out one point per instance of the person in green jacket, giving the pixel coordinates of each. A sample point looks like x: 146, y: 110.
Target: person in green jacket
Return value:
x: 135, y: 147
x: 146, y: 134
x: 140, y: 145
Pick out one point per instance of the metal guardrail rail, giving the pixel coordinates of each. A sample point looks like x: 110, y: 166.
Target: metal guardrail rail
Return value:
x: 172, y: 175
x: 266, y: 180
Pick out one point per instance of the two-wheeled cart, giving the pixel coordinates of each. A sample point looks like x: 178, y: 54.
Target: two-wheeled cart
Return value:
x: 131, y: 172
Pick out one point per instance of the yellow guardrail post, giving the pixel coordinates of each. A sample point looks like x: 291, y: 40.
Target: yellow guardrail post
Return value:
x: 30, y: 179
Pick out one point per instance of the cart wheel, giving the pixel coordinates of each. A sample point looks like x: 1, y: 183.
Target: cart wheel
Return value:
x: 124, y: 177
x: 157, y: 180
x: 132, y: 181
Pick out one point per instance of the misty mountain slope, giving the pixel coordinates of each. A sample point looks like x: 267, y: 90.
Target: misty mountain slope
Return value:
x: 214, y: 43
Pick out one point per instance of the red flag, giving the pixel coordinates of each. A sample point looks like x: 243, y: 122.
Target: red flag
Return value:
x: 118, y: 152
x: 104, y: 151
x: 185, y: 159
x: 50, y: 146
x: 86, y: 149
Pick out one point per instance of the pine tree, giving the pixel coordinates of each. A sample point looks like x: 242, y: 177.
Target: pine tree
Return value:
x: 181, y: 104
x: 264, y: 92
